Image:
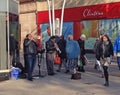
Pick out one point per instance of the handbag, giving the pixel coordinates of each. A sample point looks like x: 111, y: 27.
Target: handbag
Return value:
x: 76, y: 76
x: 105, y: 61
x: 57, y: 60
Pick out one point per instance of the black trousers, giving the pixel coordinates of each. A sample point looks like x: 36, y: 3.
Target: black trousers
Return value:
x: 25, y: 63
x: 105, y: 68
x: 50, y: 63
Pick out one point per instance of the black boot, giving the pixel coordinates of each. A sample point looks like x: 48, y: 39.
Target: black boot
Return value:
x: 95, y: 66
x: 106, y: 83
x: 119, y: 67
x: 81, y: 69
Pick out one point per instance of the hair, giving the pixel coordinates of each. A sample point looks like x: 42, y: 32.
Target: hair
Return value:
x: 70, y: 37
x: 27, y: 35
x: 62, y: 36
x: 52, y: 37
x: 106, y: 37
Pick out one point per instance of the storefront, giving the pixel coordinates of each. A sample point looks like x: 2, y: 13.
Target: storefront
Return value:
x: 8, y: 25
x: 90, y: 20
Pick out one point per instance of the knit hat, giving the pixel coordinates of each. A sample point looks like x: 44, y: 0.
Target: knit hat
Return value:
x: 82, y: 36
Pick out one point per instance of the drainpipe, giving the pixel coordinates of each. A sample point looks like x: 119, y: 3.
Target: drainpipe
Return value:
x: 8, y: 56
x: 61, y: 26
x: 50, y: 21
x: 53, y: 17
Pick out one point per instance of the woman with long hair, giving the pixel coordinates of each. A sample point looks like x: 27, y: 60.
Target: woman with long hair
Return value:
x: 106, y: 50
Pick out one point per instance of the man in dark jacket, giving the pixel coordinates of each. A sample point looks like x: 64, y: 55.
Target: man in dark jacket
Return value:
x: 31, y: 51
x: 25, y: 53
x: 12, y: 48
x: 62, y: 46
x: 50, y: 51
x: 97, y: 54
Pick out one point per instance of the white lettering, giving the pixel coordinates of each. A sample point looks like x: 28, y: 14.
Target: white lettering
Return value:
x: 89, y: 12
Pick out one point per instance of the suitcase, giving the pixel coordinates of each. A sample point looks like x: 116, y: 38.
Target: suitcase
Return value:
x: 76, y: 76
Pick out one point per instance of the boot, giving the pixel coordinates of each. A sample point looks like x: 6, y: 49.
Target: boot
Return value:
x: 102, y: 75
x: 95, y: 66
x: 81, y: 69
x: 119, y: 67
x: 106, y: 83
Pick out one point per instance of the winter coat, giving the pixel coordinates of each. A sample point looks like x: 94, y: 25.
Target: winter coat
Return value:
x: 97, y: 49
x: 82, y: 47
x: 106, y: 50
x: 117, y: 45
x: 62, y: 46
x: 12, y: 44
x: 50, y: 46
x: 30, y: 47
x: 72, y: 49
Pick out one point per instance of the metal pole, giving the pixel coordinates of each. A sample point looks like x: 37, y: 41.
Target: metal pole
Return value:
x: 50, y: 21
x: 8, y: 56
x: 53, y: 17
x: 61, y: 26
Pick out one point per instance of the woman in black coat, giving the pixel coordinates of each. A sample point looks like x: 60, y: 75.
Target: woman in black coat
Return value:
x: 81, y: 42
x: 106, y: 50
x: 62, y: 46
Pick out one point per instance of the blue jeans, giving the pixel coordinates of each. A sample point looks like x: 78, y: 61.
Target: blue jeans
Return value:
x: 31, y: 59
x: 118, y: 61
x: 72, y: 63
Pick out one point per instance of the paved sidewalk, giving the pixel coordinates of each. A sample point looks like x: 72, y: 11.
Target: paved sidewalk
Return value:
x: 61, y: 84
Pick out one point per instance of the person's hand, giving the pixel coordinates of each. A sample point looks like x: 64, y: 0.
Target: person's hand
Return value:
x: 56, y: 46
x: 115, y: 55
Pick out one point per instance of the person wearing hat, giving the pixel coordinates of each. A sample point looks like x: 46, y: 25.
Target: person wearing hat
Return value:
x: 81, y: 42
x: 72, y: 51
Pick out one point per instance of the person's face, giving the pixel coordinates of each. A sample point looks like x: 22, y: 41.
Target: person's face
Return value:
x: 48, y: 31
x: 83, y: 39
x: 105, y: 39
x: 53, y: 40
x: 30, y: 36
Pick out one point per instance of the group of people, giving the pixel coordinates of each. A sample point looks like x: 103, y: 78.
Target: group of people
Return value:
x: 68, y: 50
x: 71, y: 52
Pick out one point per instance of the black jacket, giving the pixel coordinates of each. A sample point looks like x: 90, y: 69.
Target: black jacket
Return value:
x: 97, y: 49
x: 82, y: 47
x: 12, y: 44
x: 50, y: 46
x: 62, y: 46
x: 30, y: 47
x: 106, y: 50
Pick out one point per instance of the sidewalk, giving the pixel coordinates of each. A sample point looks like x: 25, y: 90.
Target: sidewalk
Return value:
x: 61, y: 84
